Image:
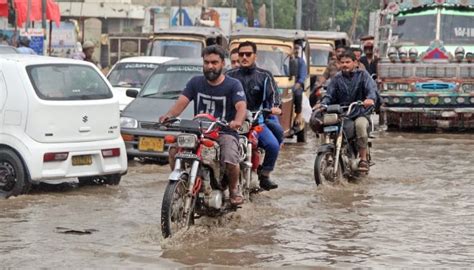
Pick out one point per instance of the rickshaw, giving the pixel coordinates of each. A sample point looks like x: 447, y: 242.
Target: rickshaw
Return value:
x: 274, y: 53
x: 185, y: 41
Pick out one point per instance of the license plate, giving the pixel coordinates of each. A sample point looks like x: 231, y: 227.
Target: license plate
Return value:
x: 331, y: 129
x: 81, y: 160
x: 151, y: 144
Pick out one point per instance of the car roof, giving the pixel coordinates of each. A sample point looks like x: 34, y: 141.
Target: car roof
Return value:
x: 327, y: 34
x: 192, y: 30
x: 288, y: 34
x: 28, y: 59
x: 185, y: 61
x: 146, y: 59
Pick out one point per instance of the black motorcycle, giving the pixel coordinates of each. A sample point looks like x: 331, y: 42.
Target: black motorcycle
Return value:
x: 338, y: 156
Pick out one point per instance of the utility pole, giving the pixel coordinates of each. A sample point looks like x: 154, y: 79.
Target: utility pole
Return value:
x: 273, y: 15
x: 180, y: 16
x: 299, y: 13
x: 333, y: 20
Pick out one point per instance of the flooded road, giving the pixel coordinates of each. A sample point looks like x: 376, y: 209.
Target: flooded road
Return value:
x: 415, y: 209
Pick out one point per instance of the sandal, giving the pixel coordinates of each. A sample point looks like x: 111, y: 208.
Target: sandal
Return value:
x: 363, y: 166
x: 236, y: 198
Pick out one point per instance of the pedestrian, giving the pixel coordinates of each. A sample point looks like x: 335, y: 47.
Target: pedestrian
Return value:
x: 369, y: 60
x: 88, y: 48
x: 24, y: 46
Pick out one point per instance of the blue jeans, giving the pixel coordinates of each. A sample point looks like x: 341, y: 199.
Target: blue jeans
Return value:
x: 273, y: 124
x: 268, y: 141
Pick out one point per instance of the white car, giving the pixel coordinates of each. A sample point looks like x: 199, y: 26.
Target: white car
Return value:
x: 58, y: 119
x: 132, y: 73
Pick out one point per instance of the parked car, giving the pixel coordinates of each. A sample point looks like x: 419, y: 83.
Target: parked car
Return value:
x: 138, y: 120
x: 132, y: 73
x: 5, y: 49
x: 58, y: 119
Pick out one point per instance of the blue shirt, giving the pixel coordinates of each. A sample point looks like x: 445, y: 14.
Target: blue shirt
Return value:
x: 25, y: 50
x: 302, y: 72
x: 218, y: 100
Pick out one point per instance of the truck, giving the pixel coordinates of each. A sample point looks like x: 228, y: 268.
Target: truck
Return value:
x: 426, y: 66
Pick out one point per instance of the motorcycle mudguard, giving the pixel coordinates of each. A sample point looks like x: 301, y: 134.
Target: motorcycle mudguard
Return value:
x: 326, y: 148
x: 176, y: 175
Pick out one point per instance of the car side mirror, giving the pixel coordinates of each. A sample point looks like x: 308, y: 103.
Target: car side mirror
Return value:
x: 131, y: 93
x: 293, y: 67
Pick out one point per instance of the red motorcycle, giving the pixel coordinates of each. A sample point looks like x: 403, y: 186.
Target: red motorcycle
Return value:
x: 196, y: 185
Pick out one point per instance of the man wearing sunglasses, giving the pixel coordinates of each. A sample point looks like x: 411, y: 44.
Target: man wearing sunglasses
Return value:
x: 261, y: 93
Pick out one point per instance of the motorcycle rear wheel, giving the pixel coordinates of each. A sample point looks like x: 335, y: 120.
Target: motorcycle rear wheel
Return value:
x: 324, y: 168
x: 173, y: 216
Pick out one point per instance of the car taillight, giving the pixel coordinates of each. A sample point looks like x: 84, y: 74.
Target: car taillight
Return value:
x: 47, y: 157
x: 114, y: 152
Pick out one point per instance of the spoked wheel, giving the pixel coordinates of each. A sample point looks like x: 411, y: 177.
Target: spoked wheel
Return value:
x: 13, y: 177
x: 324, y: 168
x: 173, y: 216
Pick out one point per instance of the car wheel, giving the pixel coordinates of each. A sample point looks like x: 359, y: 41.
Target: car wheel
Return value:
x: 113, y: 179
x: 14, y: 178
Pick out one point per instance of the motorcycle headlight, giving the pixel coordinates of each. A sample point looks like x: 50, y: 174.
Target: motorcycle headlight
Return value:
x: 187, y: 141
x: 403, y: 87
x: 127, y: 122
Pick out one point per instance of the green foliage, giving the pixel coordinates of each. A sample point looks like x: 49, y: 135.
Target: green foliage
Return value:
x: 316, y: 13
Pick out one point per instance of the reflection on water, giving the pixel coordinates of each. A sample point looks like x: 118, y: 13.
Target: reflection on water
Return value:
x: 415, y: 209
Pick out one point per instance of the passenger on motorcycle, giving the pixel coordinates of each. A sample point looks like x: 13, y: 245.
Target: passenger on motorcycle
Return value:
x: 350, y: 85
x: 261, y: 92
x: 223, y: 97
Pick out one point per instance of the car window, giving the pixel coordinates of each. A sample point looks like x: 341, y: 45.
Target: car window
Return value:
x: 176, y: 48
x: 67, y: 82
x: 169, y: 81
x: 131, y: 74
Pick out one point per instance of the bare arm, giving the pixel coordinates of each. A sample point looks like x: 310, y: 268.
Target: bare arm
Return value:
x: 177, y: 108
x: 241, y: 108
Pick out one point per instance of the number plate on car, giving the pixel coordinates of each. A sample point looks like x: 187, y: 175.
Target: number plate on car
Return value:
x: 151, y: 144
x: 81, y: 160
x: 331, y: 129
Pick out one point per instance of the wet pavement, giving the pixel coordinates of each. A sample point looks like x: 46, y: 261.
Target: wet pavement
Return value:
x: 416, y: 209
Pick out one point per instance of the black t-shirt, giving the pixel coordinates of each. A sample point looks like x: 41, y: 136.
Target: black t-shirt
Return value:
x: 218, y: 100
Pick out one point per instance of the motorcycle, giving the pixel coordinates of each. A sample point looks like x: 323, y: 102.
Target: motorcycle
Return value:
x: 196, y: 185
x: 338, y: 154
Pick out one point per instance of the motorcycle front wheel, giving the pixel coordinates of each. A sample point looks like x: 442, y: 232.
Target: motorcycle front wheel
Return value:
x: 324, y: 168
x: 173, y: 214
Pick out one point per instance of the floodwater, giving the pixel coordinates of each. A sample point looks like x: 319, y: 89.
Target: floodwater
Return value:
x: 416, y: 209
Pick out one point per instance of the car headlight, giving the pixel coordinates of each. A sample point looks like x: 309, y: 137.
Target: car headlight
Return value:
x: 187, y: 141
x: 127, y: 122
x: 467, y: 87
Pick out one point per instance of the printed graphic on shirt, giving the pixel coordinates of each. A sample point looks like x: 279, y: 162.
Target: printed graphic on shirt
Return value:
x: 212, y: 105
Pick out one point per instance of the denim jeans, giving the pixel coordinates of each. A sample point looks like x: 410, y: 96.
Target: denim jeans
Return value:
x: 270, y: 141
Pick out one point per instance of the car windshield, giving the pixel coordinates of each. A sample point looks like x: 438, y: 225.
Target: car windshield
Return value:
x: 68, y: 82
x: 319, y: 56
x: 416, y: 29
x: 7, y: 50
x: 176, y: 48
x: 131, y: 74
x: 275, y: 61
x: 457, y: 27
x: 169, y: 81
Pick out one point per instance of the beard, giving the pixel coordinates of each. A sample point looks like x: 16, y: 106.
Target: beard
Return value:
x: 212, y: 75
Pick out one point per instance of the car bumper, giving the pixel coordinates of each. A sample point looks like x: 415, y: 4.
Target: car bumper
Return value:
x: 441, y: 112
x: 132, y: 142
x: 40, y: 170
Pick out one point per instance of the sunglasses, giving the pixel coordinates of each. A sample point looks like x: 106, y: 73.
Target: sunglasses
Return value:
x: 247, y: 54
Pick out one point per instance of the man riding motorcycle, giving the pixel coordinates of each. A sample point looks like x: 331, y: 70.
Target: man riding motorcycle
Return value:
x: 349, y: 85
x: 261, y: 93
x: 223, y: 97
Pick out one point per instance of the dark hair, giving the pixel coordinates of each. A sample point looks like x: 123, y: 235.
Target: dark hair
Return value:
x: 234, y: 50
x: 214, y: 49
x: 341, y: 46
x: 247, y: 44
x: 348, y: 54
x: 357, y: 49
